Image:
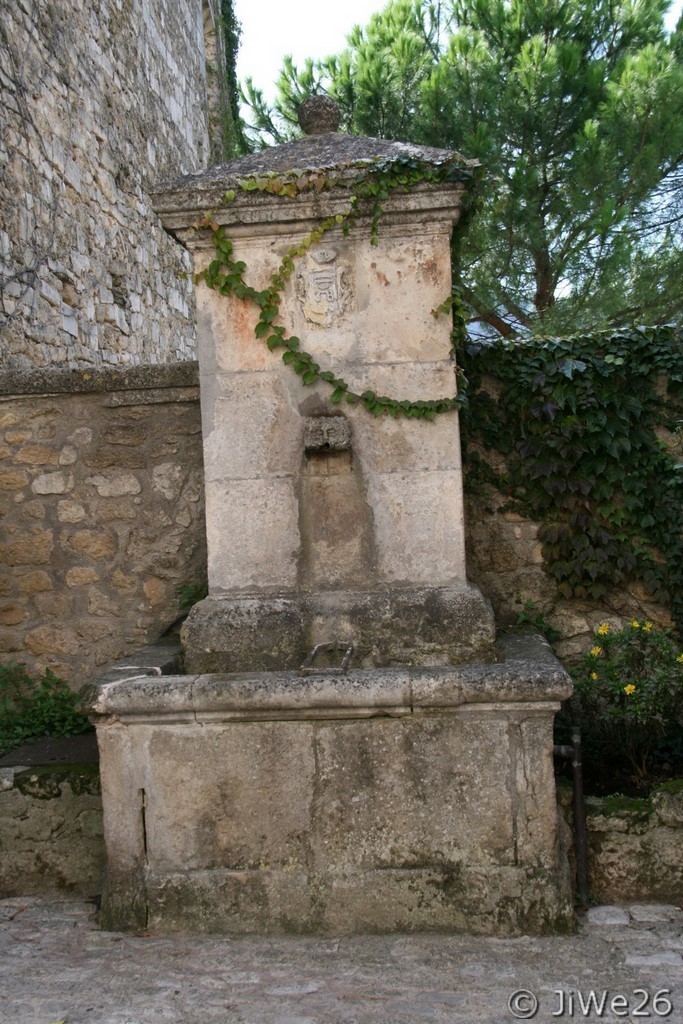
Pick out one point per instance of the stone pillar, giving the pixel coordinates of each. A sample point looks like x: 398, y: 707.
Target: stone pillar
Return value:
x: 386, y: 511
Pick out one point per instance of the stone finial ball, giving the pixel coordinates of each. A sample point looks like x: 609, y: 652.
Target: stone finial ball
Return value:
x: 319, y: 114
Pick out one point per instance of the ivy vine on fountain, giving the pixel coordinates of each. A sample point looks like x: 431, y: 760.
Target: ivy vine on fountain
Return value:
x: 370, y: 185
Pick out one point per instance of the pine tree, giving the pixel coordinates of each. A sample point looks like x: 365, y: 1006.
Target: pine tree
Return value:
x: 575, y: 110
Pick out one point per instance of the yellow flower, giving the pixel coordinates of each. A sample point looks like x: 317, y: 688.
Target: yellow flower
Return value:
x: 594, y: 675
x: 595, y: 651
x: 647, y: 627
x: 629, y: 689
x: 635, y: 623
x: 680, y: 657
x: 603, y: 630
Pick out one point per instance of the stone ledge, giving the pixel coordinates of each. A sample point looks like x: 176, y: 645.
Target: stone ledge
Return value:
x: 528, y: 678
x: 51, y: 381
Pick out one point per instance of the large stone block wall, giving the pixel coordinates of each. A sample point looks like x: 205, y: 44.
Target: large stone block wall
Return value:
x: 51, y: 836
x: 505, y: 559
x: 100, y: 98
x: 634, y: 845
x: 101, y: 512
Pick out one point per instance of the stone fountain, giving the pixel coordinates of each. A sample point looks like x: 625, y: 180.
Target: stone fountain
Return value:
x: 349, y: 749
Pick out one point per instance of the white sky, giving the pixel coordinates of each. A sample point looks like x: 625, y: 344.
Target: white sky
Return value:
x: 306, y: 28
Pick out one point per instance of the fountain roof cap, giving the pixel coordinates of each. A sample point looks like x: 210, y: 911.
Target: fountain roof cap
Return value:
x: 329, y: 151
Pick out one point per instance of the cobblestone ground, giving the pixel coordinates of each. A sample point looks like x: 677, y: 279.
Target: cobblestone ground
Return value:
x: 58, y: 968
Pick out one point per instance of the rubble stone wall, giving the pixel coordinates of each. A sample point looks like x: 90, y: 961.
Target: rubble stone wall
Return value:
x: 51, y: 830
x: 101, y: 512
x: 100, y: 99
x: 505, y: 559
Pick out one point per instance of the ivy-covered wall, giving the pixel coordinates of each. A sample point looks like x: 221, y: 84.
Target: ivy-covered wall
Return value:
x: 575, y: 477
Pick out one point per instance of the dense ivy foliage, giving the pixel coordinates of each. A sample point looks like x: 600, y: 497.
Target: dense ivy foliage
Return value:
x: 576, y: 419
x: 232, y: 129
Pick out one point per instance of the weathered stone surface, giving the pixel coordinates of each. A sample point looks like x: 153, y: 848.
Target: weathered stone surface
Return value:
x: 177, y: 201
x: 12, y: 479
x: 52, y: 640
x: 96, y: 544
x: 327, y: 433
x: 37, y: 455
x: 115, y: 484
x: 664, y: 959
x: 32, y: 548
x: 51, y: 831
x: 635, y: 847
x: 422, y: 626
x: 253, y: 431
x: 654, y: 913
x: 419, y: 528
x: 168, y: 478
x: 607, y: 916
x: 80, y: 575
x: 138, y: 534
x: 342, y: 807
x: 54, y: 606
x: 505, y: 560
x: 252, y: 534
x: 319, y: 114
x: 53, y: 483
x: 70, y: 512
x: 35, y: 582
x: 12, y: 614
x: 89, y: 277
x: 389, y: 514
x: 34, y: 509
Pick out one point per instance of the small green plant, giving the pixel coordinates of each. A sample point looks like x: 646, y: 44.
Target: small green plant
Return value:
x: 31, y: 707
x: 628, y: 693
x: 531, y: 615
x: 190, y: 594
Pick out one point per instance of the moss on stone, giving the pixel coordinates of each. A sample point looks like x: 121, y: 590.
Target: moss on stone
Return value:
x: 619, y: 804
x: 674, y: 787
x: 45, y: 782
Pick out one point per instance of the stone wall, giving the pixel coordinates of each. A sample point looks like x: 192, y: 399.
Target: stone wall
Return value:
x: 100, y: 98
x: 505, y: 559
x: 51, y: 830
x: 101, y: 512
x: 634, y: 845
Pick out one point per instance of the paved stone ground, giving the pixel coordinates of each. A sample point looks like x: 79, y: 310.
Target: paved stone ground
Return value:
x: 56, y: 966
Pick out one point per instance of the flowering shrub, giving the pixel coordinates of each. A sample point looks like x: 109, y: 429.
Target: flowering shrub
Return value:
x: 628, y: 692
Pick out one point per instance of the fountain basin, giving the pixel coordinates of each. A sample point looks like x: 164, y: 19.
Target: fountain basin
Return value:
x: 386, y: 799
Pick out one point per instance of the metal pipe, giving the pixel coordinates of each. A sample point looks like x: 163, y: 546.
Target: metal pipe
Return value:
x: 580, y: 820
x: 574, y: 751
